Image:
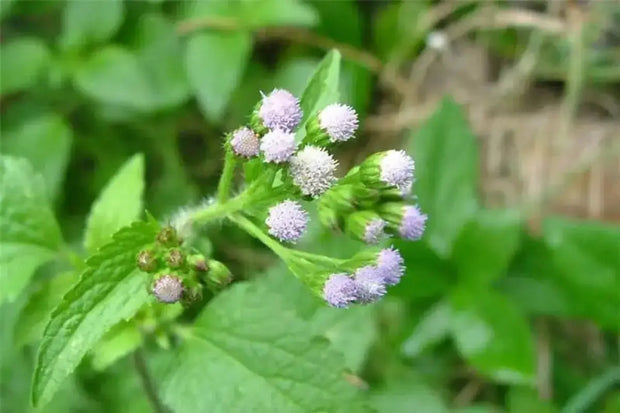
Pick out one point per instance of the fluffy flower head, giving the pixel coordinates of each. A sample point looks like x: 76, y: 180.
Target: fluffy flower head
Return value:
x: 277, y: 146
x: 413, y: 223
x: 280, y: 110
x: 313, y: 170
x: 287, y: 221
x: 168, y: 289
x: 244, y: 142
x: 340, y: 290
x: 339, y: 121
x: 391, y: 264
x: 397, y: 169
x: 370, y: 284
x: 374, y: 231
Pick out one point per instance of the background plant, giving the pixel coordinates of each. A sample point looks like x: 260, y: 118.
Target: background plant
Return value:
x: 105, y: 114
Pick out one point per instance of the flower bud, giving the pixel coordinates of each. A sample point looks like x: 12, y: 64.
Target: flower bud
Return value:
x: 277, y: 146
x: 366, y: 226
x: 168, y: 288
x: 168, y: 237
x: 147, y: 261
x: 198, y: 263
x: 335, y: 204
x: 287, y: 221
x: 407, y: 220
x: 218, y: 276
x: 244, y: 143
x: 340, y: 290
x: 277, y: 110
x: 335, y: 123
x: 312, y: 170
x: 176, y: 258
x: 388, y: 169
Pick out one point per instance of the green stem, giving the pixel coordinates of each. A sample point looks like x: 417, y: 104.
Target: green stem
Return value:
x: 223, y: 188
x: 316, y: 257
x: 249, y: 227
x: 147, y: 382
x: 220, y: 209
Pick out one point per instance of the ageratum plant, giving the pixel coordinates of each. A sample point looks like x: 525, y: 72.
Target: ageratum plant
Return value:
x: 279, y: 174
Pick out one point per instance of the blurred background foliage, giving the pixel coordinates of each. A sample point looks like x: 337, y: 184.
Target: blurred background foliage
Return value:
x: 512, y: 300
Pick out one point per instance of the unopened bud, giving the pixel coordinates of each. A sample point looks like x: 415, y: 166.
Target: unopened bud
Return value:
x: 198, y: 263
x: 407, y: 221
x: 388, y: 169
x: 147, y: 261
x: 176, y: 258
x: 168, y: 288
x: 168, y: 237
x: 218, y: 276
x: 366, y: 226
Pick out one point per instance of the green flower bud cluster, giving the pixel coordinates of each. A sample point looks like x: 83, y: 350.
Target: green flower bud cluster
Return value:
x: 179, y: 274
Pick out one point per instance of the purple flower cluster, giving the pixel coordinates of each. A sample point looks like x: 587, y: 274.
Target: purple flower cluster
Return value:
x: 368, y: 284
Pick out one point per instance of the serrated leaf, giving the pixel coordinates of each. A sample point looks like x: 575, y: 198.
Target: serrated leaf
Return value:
x: 445, y: 153
x: 214, y: 64
x: 30, y: 234
x: 586, y: 259
x: 492, y: 335
x: 431, y: 329
x: 23, y: 61
x: 118, y: 204
x: 254, y: 355
x: 486, y: 245
x: 36, y: 313
x: 321, y: 90
x: 90, y: 22
x: 110, y: 290
x: 45, y: 141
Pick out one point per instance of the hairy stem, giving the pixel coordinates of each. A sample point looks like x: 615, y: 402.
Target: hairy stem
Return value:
x: 223, y: 188
x: 249, y: 227
x: 147, y: 382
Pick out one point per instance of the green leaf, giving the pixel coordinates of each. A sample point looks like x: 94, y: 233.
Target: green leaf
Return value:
x: 493, y: 336
x: 321, y: 90
x: 118, y: 342
x: 110, y: 290
x: 486, y: 245
x: 445, y: 152
x: 408, y: 394
x: 30, y: 234
x: 91, y: 22
x: 431, y: 329
x: 36, y: 313
x: 118, y: 204
x: 215, y: 63
x: 523, y: 399
x: 23, y: 61
x: 45, y: 141
x: 252, y: 354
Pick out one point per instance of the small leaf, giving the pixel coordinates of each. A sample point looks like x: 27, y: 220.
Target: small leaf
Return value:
x: 493, y: 336
x: 118, y: 342
x: 254, y: 355
x: 446, y: 158
x: 215, y: 63
x: 118, y: 204
x: 30, y: 234
x: 321, y: 90
x: 23, y: 61
x: 586, y: 257
x: 45, y: 141
x: 486, y: 245
x: 430, y: 330
x: 110, y: 290
x: 91, y: 22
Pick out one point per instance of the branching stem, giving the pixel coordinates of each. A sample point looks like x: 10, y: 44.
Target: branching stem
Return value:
x: 223, y: 188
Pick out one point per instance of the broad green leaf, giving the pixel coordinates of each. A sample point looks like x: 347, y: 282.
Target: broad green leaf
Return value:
x: 215, y: 63
x: 430, y: 330
x: 45, y: 141
x: 351, y: 332
x: 90, y: 22
x: 486, y: 245
x: 586, y: 256
x: 254, y: 354
x: 110, y: 290
x: 408, y: 394
x: 524, y: 399
x: 30, y: 234
x: 118, y: 342
x: 118, y: 204
x: 493, y: 336
x: 445, y: 152
x: 36, y: 313
x: 23, y: 61
x: 321, y: 90
x: 293, y: 74
x: 113, y: 75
